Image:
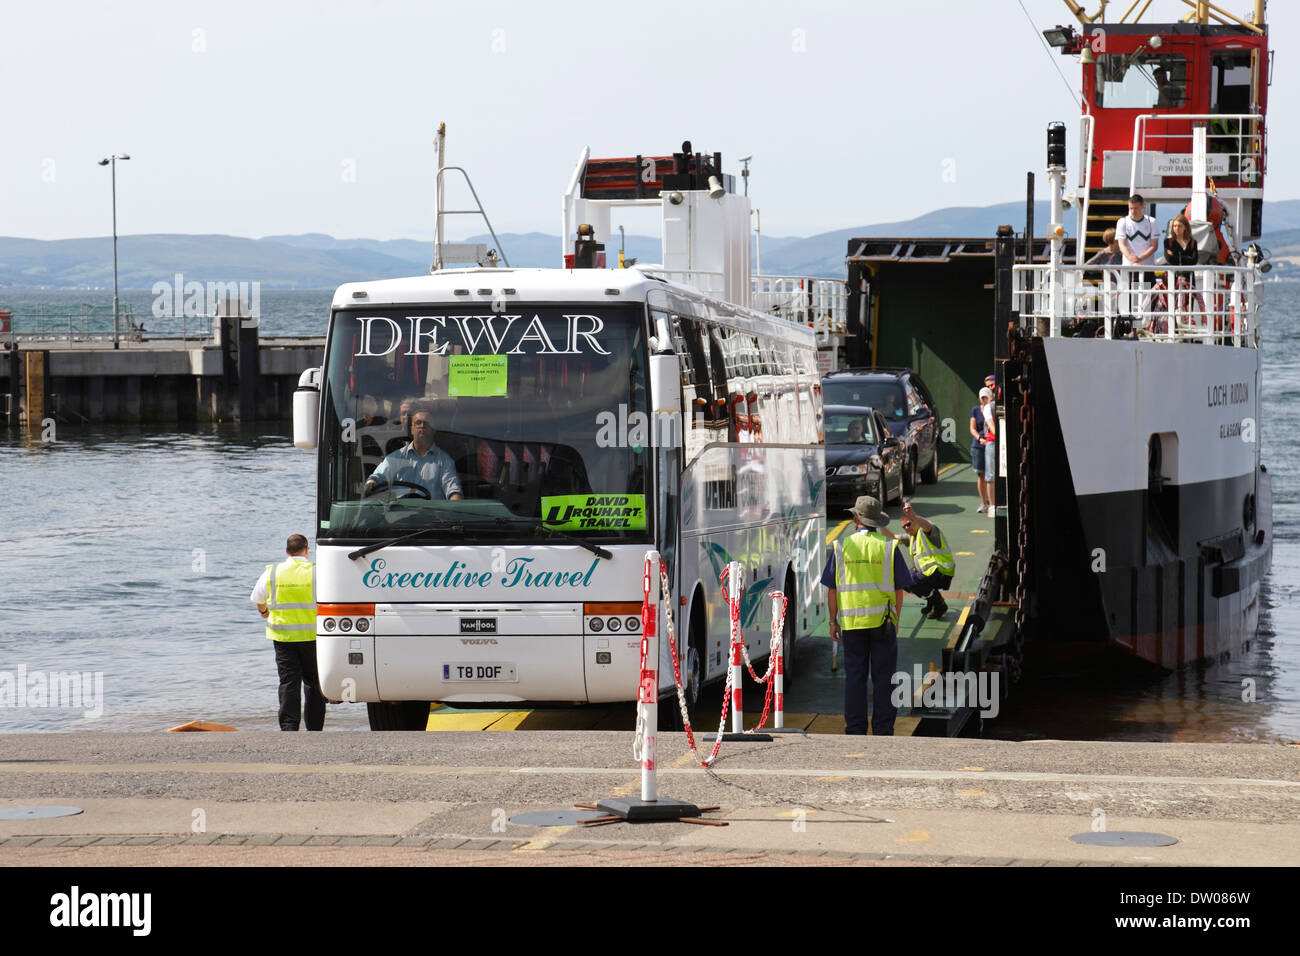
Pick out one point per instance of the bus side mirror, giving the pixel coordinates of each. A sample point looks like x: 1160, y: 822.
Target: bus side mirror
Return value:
x: 306, y: 409
x: 666, y: 384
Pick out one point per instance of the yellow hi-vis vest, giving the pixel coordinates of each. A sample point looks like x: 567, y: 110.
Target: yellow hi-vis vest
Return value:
x: 929, y: 559
x: 290, y: 601
x: 864, y: 580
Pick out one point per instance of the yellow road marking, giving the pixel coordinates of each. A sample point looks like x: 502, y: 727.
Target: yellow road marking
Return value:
x: 961, y: 622
x: 973, y: 769
x: 475, y: 720
x: 979, y: 531
x: 839, y: 779
x: 965, y: 554
x: 951, y: 464
x: 973, y: 793
x: 836, y: 533
x: 914, y: 836
x: 827, y: 724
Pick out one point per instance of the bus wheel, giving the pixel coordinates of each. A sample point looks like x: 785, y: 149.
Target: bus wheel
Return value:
x: 788, y: 646
x: 398, y: 715
x: 670, y: 711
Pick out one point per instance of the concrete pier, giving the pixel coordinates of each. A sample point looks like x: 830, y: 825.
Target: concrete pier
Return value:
x: 154, y: 381
x: 422, y: 799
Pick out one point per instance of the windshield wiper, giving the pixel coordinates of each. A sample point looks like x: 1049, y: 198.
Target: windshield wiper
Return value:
x: 595, y: 549
x: 440, y: 524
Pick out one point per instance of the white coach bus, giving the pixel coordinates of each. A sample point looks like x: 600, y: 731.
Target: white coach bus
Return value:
x: 589, y: 416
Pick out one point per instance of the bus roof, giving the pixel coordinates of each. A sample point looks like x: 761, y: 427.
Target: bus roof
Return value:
x: 476, y: 285
x: 564, y: 286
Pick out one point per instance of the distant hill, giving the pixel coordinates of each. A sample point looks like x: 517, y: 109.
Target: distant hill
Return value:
x: 317, y: 261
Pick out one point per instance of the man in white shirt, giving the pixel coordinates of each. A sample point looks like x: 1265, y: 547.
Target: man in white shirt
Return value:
x: 419, y: 462
x: 1138, y: 239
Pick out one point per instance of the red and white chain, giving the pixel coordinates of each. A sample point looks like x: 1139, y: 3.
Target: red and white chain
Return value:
x: 681, y: 693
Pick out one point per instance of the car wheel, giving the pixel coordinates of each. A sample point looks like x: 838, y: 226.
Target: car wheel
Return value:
x: 931, y: 474
x: 909, y: 475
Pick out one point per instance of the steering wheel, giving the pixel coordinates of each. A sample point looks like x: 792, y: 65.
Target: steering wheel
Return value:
x: 375, y: 489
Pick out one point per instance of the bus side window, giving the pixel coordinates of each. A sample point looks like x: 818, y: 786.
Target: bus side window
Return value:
x: 731, y: 382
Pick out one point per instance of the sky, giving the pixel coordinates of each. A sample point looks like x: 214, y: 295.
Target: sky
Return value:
x: 255, y: 119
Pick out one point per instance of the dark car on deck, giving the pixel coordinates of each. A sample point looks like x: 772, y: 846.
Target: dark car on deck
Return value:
x: 862, y: 458
x: 907, y: 405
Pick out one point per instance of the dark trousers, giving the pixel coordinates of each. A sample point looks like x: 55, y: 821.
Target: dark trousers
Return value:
x: 870, y: 659
x: 296, y: 661
x: 924, y: 587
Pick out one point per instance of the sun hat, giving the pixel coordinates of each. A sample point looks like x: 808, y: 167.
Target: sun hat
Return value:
x: 867, y: 510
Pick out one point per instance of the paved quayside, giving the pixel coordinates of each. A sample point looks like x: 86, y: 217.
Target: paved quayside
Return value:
x: 423, y: 799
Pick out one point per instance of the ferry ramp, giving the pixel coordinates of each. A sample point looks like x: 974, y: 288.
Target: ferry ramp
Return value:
x: 815, y: 692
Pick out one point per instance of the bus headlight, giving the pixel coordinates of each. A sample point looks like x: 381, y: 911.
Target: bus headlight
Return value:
x: 345, y: 624
x: 363, y: 624
x: 614, y: 624
x: 633, y: 624
x: 329, y: 624
x: 596, y: 625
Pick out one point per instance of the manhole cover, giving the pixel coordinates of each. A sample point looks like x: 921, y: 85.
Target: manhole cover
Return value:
x: 37, y: 813
x: 1123, y: 838
x: 555, y: 818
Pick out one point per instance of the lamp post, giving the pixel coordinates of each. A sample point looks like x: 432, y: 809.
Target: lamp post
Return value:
x: 111, y: 161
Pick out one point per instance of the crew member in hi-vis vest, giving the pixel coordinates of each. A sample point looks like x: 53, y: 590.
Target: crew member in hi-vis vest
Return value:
x: 934, y: 562
x: 866, y: 576
x: 285, y: 597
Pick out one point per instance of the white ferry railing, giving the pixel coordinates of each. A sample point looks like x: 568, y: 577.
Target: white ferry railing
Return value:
x: 1086, y: 128
x: 821, y: 304
x: 1203, y: 303
x: 1243, y: 133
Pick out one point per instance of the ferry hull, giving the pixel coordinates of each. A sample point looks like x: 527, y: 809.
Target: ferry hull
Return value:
x: 1150, y: 516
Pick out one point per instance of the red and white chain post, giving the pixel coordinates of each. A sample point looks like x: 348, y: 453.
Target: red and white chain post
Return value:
x: 734, y: 585
x: 647, y: 697
x: 778, y: 653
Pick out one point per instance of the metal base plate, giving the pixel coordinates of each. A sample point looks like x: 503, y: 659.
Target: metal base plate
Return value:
x: 552, y: 818
x: 785, y: 730
x: 1123, y: 838
x: 37, y: 813
x: 764, y: 737
x: 636, y: 810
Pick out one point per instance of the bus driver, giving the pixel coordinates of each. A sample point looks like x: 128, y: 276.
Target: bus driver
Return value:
x: 419, y: 462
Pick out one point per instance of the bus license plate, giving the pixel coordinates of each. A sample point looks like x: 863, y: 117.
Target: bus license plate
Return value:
x: 489, y: 672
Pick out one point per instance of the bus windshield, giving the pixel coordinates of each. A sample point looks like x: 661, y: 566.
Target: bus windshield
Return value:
x: 470, y: 423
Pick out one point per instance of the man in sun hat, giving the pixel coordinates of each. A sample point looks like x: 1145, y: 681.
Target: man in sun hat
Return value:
x: 865, y: 577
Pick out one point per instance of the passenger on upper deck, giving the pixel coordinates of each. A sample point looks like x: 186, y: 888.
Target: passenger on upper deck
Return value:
x: 1109, y: 256
x: 1180, y: 247
x: 419, y: 462
x: 1136, y: 235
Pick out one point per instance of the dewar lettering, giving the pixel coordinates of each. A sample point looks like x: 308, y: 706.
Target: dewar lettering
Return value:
x: 424, y: 334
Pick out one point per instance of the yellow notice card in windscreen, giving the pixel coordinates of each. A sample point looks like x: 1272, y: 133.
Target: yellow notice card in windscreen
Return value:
x: 476, y: 375
x: 594, y: 512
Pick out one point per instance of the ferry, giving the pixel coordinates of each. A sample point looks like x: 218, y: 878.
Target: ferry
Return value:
x: 1135, y: 507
